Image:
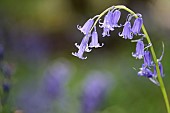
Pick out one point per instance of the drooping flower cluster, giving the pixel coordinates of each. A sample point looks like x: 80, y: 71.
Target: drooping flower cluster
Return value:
x: 148, y: 66
x: 109, y: 23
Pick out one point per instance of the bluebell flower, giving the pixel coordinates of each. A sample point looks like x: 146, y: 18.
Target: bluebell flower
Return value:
x: 86, y: 27
x: 160, y: 68
x: 82, y: 48
x: 137, y: 25
x: 115, y: 18
x: 127, y: 32
x: 7, y: 70
x: 139, y: 50
x: 110, y: 21
x: 144, y: 71
x: 94, y: 40
x: 106, y: 32
x: 147, y: 58
x: 94, y: 92
x: 107, y: 24
x: 6, y: 87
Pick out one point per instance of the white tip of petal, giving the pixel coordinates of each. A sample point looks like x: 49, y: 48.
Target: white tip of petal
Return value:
x: 120, y: 34
x: 83, y: 58
x: 102, y: 44
x: 78, y: 27
x: 74, y: 53
x: 155, y: 81
x: 77, y: 45
x: 88, y: 50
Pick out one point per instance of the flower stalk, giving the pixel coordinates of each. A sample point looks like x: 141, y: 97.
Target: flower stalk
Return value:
x: 162, y: 86
x: 128, y: 34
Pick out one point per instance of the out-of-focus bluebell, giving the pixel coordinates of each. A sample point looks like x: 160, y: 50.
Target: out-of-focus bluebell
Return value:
x: 55, y: 78
x: 51, y: 89
x: 29, y: 45
x: 95, y: 88
x: 1, y: 52
x: 6, y: 86
x: 7, y: 70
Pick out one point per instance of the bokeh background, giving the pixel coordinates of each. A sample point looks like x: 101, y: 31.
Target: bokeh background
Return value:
x: 41, y: 76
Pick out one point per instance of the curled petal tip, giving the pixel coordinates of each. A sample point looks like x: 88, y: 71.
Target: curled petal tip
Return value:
x: 77, y: 45
x: 155, y: 81
x: 78, y: 27
x: 88, y: 50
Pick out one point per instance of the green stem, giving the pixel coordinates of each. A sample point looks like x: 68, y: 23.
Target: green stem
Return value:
x: 162, y: 87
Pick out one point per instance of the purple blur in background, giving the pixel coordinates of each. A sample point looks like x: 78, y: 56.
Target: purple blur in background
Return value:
x: 95, y: 89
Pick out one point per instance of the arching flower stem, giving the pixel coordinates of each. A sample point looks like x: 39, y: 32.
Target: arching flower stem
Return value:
x: 162, y: 86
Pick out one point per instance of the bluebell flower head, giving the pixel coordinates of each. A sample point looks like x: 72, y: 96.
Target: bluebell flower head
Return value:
x: 94, y: 91
x: 55, y: 79
x: 127, y: 32
x: 94, y: 40
x: 115, y: 18
x: 137, y: 25
x: 82, y: 48
x: 7, y: 70
x: 145, y: 72
x: 160, y: 68
x: 6, y: 87
x: 139, y: 50
x: 107, y: 24
x: 86, y: 27
x: 147, y: 58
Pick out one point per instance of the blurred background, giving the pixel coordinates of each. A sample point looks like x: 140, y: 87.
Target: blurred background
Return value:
x: 39, y: 74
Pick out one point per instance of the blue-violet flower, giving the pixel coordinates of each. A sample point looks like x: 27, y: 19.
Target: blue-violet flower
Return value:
x: 137, y: 25
x: 139, y: 50
x: 145, y: 72
x: 94, y: 40
x: 86, y: 27
x: 127, y: 32
x: 115, y: 18
x: 107, y: 24
x: 147, y: 58
x: 83, y: 47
